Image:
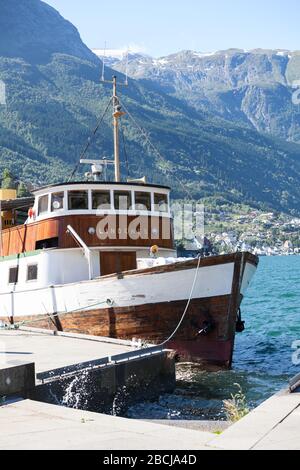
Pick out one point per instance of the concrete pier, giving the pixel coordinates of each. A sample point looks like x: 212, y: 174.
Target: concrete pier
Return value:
x: 274, y: 425
x: 33, y: 425
x: 49, y: 351
x: 89, y: 374
x: 96, y: 374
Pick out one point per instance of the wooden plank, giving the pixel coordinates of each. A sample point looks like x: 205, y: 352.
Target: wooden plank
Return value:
x: 117, y: 262
x: 24, y: 237
x: 119, y: 234
x: 155, y: 322
x: 128, y: 260
x: 192, y: 264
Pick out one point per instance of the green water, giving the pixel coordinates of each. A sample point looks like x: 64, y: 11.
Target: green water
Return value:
x: 263, y: 353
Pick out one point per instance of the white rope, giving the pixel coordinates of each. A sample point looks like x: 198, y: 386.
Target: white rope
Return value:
x: 50, y: 316
x: 186, y: 307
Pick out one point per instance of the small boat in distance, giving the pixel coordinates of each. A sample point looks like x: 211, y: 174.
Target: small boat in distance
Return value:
x: 98, y: 257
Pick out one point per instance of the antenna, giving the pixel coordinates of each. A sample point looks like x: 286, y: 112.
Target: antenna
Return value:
x: 97, y: 168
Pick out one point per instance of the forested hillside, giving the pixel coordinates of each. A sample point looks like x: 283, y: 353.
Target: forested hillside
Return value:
x: 54, y: 98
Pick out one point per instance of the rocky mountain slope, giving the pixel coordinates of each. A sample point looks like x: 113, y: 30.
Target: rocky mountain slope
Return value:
x: 54, y: 99
x: 253, y: 87
x: 33, y: 30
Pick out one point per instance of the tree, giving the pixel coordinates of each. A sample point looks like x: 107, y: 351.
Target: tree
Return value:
x: 22, y: 190
x: 7, y: 180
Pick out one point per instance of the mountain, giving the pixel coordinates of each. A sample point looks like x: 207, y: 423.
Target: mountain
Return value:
x: 54, y: 100
x: 33, y: 30
x: 253, y: 87
x: 116, y: 56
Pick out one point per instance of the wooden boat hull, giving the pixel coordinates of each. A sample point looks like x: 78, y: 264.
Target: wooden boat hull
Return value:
x: 155, y: 321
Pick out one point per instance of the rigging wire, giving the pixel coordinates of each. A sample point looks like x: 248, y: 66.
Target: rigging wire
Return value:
x: 90, y: 139
x: 125, y: 150
x: 144, y: 133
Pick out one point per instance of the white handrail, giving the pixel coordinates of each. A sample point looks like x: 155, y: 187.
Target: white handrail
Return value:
x: 87, y: 251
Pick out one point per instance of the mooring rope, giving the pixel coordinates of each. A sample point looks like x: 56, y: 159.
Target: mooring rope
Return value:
x: 108, y: 301
x: 17, y: 325
x: 186, y: 307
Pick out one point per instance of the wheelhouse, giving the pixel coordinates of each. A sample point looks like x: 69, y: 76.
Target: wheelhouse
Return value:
x: 114, y: 225
x: 97, y: 198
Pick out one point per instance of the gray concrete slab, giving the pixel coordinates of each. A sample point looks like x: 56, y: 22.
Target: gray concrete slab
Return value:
x: 35, y: 425
x: 197, y: 425
x: 50, y: 351
x: 94, y: 373
x: 16, y: 379
x: 275, y: 424
x: 285, y: 436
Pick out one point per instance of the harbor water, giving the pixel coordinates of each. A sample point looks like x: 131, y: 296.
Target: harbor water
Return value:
x: 263, y: 356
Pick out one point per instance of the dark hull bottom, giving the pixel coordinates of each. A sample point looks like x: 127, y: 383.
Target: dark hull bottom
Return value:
x: 210, y: 355
x: 156, y: 322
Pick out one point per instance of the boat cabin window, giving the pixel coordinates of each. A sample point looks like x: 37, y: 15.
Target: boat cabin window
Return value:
x: 32, y: 272
x: 13, y: 275
x: 78, y: 200
x: 43, y: 204
x: 57, y: 201
x: 101, y: 200
x: 161, y: 202
x: 142, y: 201
x: 47, y: 243
x: 122, y: 200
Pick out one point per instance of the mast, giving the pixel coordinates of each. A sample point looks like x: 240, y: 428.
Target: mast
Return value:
x: 117, y: 113
x: 99, y: 165
x: 116, y: 131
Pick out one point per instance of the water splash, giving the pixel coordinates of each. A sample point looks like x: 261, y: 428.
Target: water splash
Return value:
x: 77, y: 393
x: 123, y: 396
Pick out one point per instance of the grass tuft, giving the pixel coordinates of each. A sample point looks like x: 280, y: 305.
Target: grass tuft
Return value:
x: 236, y: 407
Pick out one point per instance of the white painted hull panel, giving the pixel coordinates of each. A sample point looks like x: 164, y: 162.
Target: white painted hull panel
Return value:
x: 132, y: 290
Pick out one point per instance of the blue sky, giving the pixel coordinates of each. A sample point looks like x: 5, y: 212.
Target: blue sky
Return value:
x: 160, y: 27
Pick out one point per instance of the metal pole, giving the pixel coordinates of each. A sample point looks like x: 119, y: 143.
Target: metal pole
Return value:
x: 116, y: 132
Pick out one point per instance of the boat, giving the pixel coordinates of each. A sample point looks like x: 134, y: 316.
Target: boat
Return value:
x: 98, y: 257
